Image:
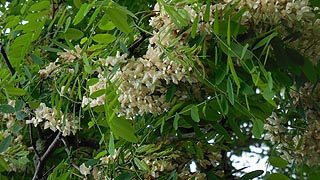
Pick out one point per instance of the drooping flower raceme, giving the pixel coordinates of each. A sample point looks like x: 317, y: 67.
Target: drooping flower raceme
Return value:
x: 49, y: 116
x: 302, y: 146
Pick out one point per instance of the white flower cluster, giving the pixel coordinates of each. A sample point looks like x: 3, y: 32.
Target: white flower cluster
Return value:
x: 100, y: 85
x: 309, y: 97
x: 295, y: 15
x: 145, y: 80
x: 68, y: 56
x: 66, y: 125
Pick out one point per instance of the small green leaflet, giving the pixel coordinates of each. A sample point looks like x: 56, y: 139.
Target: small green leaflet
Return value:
x: 84, y: 9
x: 176, y: 121
x: 230, y: 91
x: 119, y: 19
x: 257, y: 129
x: 195, y: 113
x: 3, y: 165
x: 111, y: 144
x: 252, y: 175
x: 15, y: 91
x: 123, y: 128
x: 224, y: 105
x: 162, y: 125
x: 175, y: 15
x: 140, y: 164
x: 100, y: 154
x: 278, y: 176
x: 5, y: 143
x: 170, y: 92
x: 106, y: 26
x: 36, y: 59
x: 194, y: 27
x: 104, y: 38
x: 278, y: 162
x: 265, y: 41
x: 42, y: 5
x: 5, y: 108
x: 73, y: 34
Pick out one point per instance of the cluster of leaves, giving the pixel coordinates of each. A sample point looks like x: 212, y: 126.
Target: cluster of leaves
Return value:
x: 243, y: 76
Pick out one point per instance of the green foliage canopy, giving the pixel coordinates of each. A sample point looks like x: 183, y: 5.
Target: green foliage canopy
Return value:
x: 140, y: 90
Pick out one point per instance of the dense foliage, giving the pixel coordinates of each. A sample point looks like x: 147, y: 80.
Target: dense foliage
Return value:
x: 142, y: 89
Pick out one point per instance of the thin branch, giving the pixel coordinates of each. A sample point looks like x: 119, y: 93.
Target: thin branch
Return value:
x: 68, y: 151
x: 6, y: 59
x: 41, y: 162
x: 32, y: 141
x: 137, y: 42
x: 187, y: 135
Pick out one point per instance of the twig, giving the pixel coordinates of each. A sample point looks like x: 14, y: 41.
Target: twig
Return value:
x: 137, y: 42
x: 6, y: 59
x: 68, y: 151
x: 187, y: 135
x: 32, y: 142
x: 45, y: 155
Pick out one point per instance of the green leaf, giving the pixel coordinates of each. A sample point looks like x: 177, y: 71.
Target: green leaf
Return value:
x: 220, y: 74
x: 236, y: 129
x: 230, y: 91
x: 195, y: 26
x: 216, y: 22
x: 170, y: 92
x: 92, y: 81
x: 68, y: 21
x: 257, y: 129
x: 84, y: 9
x: 278, y: 176
x: 41, y: 5
x: 278, y: 162
x: 87, y: 66
x: 21, y: 115
x: 265, y: 41
x: 162, y: 125
x: 15, y: 91
x: 77, y: 3
x: 101, y: 154
x: 123, y: 128
x: 270, y: 81
x: 5, y: 143
x: 224, y: 106
x: 119, y: 19
x: 104, y: 38
x: 124, y: 176
x: 18, y: 106
x: 195, y: 113
x: 3, y: 165
x: 106, y: 26
x: 140, y: 164
x: 36, y: 59
x: 310, y: 71
x: 5, y: 108
x: 73, y: 34
x: 111, y: 144
x: 221, y: 130
x: 251, y: 175
x: 206, y: 16
x: 176, y: 15
x: 93, y: 17
x: 176, y: 121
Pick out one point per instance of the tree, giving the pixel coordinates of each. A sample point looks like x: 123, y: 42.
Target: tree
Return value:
x: 140, y: 90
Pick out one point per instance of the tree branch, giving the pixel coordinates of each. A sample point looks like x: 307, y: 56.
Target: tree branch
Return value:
x: 68, y: 151
x: 32, y: 141
x: 41, y: 161
x: 6, y: 59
